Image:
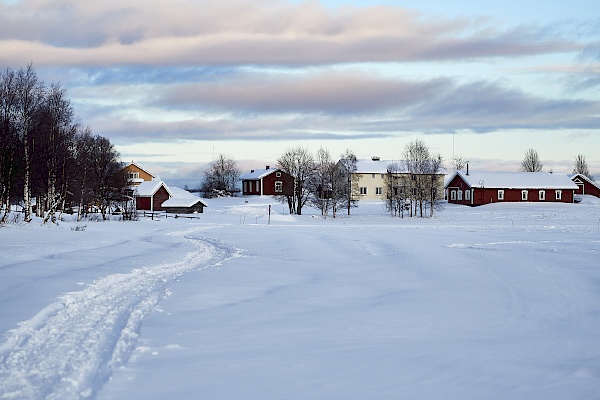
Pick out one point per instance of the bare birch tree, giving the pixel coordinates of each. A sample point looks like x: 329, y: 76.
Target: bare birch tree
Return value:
x: 350, y: 190
x: 581, y: 167
x: 531, y: 162
x: 221, y: 176
x: 29, y: 94
x: 322, y: 186
x: 300, y: 164
x: 9, y: 141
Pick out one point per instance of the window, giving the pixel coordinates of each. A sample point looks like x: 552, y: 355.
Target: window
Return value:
x: 257, y: 186
x: 245, y: 186
x: 459, y: 197
x: 133, y: 175
x: 363, y: 190
x: 453, y: 195
x: 467, y: 195
x: 373, y: 176
x: 379, y: 191
x: 542, y: 195
x: 278, y: 186
x: 278, y: 174
x: 382, y: 176
x: 500, y: 194
x: 558, y: 194
x: 524, y: 195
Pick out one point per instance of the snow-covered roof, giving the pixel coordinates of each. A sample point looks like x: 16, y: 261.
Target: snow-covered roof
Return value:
x: 375, y: 167
x: 381, y: 166
x: 182, y: 198
x: 256, y: 174
x: 515, y: 180
x: 585, y: 178
x: 149, y: 188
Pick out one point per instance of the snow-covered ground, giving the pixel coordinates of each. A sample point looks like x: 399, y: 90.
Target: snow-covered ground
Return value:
x: 495, y: 302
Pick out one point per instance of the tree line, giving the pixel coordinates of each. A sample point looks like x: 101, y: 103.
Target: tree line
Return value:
x: 46, y: 153
x: 531, y: 163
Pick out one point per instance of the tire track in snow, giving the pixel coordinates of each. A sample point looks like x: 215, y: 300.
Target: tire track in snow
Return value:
x: 70, y: 348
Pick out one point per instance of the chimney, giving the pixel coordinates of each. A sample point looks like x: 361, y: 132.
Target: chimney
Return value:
x: 375, y: 158
x: 251, y: 171
x: 268, y: 167
x: 467, y: 169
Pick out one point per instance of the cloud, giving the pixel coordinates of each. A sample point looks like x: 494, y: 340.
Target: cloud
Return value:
x: 328, y: 92
x: 325, y: 104
x: 236, y: 32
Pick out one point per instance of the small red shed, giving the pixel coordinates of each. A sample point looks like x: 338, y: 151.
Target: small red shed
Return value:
x: 267, y: 182
x: 483, y: 187
x: 585, y: 185
x: 150, y: 195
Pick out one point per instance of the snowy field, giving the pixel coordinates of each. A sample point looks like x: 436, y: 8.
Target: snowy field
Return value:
x: 495, y: 302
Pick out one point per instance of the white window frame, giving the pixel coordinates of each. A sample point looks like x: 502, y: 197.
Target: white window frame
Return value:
x: 278, y: 186
x: 524, y: 195
x: 558, y: 194
x: 468, y: 195
x: 501, y: 194
x: 453, y: 195
x: 542, y: 195
x: 459, y: 195
x: 278, y: 174
x: 379, y: 191
x: 363, y: 191
x: 133, y: 175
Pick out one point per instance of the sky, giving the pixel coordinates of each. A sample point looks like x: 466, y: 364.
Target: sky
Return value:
x: 173, y: 84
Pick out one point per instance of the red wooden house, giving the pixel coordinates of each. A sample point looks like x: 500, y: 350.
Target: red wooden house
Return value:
x: 267, y: 182
x: 483, y: 187
x: 585, y: 185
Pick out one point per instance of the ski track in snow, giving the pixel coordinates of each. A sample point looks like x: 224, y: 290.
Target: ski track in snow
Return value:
x: 70, y: 348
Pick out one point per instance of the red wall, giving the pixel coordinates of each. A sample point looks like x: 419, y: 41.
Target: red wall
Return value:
x: 488, y: 195
x: 269, y: 184
x: 143, y: 203
x: 160, y: 196
x: 587, y: 188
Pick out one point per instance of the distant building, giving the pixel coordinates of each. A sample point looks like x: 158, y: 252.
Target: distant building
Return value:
x: 135, y: 174
x: 183, y: 202
x: 152, y: 194
x: 483, y: 187
x: 267, y: 182
x: 373, y: 178
x: 585, y: 185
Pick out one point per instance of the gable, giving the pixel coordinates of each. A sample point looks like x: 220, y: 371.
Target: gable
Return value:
x: 141, y: 172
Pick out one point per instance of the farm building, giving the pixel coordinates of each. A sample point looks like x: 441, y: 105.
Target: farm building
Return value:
x: 150, y: 195
x: 585, y: 185
x: 483, y: 187
x: 183, y: 202
x: 267, y: 182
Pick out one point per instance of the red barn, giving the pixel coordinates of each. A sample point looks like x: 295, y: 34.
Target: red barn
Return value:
x: 267, y: 182
x: 483, y: 187
x: 150, y: 195
x: 585, y: 185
